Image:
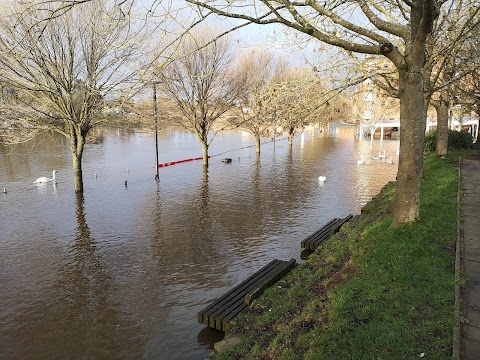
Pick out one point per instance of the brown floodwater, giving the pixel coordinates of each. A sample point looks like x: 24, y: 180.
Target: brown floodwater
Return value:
x: 121, y: 272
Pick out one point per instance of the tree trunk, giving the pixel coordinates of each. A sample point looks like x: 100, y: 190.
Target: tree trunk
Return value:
x: 205, y: 154
x: 441, y: 107
x: 412, y: 137
x: 77, y: 173
x: 290, y: 138
x: 77, y: 143
x: 372, y: 132
x: 257, y: 142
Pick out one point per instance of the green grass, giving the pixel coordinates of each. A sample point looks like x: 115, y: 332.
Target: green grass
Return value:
x: 372, y: 291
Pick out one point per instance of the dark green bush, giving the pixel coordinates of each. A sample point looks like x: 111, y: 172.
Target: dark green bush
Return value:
x: 460, y: 140
x: 457, y: 140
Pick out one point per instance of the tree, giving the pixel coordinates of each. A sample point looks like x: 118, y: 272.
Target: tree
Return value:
x: 63, y: 69
x: 397, y: 30
x: 298, y: 99
x: 200, y: 85
x: 467, y: 92
x: 256, y: 102
x: 336, y: 106
x: 449, y: 59
x: 16, y: 125
x: 69, y: 61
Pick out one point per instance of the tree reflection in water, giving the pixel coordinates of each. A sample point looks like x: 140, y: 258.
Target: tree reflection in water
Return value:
x: 99, y: 330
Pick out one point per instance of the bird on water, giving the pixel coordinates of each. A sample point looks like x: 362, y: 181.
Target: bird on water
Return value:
x: 44, y: 179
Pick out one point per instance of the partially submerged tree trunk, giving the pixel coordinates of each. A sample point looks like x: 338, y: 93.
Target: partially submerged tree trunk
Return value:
x: 205, y: 153
x: 77, y: 172
x: 372, y: 133
x: 77, y: 144
x: 291, y: 134
x: 257, y: 143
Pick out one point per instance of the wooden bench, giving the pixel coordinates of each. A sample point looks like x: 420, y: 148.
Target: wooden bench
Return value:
x: 218, y: 314
x: 327, y: 230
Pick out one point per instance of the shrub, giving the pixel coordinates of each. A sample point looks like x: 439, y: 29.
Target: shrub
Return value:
x: 457, y: 140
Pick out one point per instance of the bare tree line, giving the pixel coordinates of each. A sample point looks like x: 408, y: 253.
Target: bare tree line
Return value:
x: 72, y: 71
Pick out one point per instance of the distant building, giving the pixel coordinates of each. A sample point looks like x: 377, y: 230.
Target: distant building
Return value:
x: 379, y: 113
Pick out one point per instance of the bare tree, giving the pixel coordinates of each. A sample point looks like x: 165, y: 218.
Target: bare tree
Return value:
x: 64, y: 69
x: 337, y: 108
x: 298, y: 100
x: 467, y: 92
x: 256, y: 103
x: 15, y: 124
x: 67, y: 71
x: 291, y: 99
x: 201, y: 86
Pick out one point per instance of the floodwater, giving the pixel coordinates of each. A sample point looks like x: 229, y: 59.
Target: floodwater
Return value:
x: 121, y: 272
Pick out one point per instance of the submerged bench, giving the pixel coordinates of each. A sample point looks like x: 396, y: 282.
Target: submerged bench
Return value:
x: 327, y: 230
x: 219, y: 313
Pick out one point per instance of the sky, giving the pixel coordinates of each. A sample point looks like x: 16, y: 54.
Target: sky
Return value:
x: 262, y: 36
x: 272, y: 37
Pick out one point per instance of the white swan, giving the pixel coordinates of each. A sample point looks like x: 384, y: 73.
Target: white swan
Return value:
x: 322, y: 178
x: 361, y: 161
x: 44, y: 179
x: 381, y: 155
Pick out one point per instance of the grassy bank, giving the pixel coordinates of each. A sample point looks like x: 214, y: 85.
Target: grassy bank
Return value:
x: 372, y: 291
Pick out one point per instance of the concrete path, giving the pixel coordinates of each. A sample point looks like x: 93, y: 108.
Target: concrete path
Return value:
x: 470, y: 174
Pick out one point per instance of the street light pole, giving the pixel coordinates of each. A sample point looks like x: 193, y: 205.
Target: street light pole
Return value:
x: 157, y: 177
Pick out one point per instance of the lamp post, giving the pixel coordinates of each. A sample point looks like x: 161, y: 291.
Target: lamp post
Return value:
x: 156, y: 128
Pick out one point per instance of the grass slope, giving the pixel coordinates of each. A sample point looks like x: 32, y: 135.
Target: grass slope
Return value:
x: 371, y: 292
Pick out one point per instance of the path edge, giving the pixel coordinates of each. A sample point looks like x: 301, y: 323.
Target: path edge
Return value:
x: 456, y: 346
